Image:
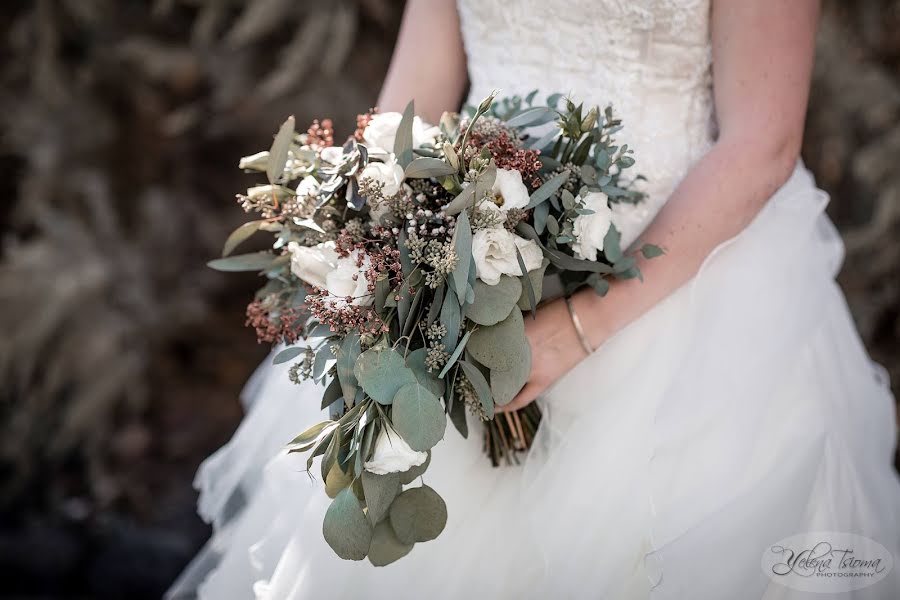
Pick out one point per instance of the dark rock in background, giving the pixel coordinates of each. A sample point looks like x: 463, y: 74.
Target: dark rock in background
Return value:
x: 122, y: 355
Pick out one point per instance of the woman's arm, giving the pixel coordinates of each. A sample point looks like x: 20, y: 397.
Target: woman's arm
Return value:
x: 762, y: 61
x: 429, y: 63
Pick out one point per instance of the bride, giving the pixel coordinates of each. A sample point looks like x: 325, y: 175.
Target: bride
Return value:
x: 728, y: 403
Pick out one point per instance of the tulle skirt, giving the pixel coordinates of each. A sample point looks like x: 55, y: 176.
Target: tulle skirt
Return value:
x: 741, y: 410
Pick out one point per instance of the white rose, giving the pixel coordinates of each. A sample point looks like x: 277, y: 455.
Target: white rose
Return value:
x: 332, y: 154
x: 494, y: 250
x: 346, y: 279
x: 380, y: 133
x: 590, y: 230
x: 389, y: 172
x: 509, y: 191
x: 308, y: 186
x: 392, y: 454
x: 313, y: 264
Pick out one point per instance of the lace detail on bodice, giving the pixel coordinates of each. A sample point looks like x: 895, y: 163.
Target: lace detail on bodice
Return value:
x: 650, y: 59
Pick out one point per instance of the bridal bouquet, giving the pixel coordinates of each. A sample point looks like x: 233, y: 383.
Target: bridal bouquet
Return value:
x: 404, y: 260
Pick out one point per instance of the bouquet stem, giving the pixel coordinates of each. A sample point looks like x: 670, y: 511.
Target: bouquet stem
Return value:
x: 511, y: 433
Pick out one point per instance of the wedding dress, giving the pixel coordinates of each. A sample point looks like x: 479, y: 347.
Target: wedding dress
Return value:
x: 741, y: 410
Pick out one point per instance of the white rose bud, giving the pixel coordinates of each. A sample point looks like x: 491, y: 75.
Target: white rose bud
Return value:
x: 346, y: 279
x: 312, y: 264
x: 494, y: 250
x: 509, y: 191
x: 380, y: 133
x: 389, y: 173
x: 589, y: 230
x: 255, y: 162
x: 392, y: 454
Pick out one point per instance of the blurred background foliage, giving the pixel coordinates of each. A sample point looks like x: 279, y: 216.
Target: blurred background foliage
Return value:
x: 122, y: 356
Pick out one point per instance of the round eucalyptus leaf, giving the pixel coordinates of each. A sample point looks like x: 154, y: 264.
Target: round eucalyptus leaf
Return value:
x: 418, y: 417
x: 418, y: 515
x: 385, y: 547
x: 381, y: 372
x: 494, y: 302
x: 380, y: 491
x: 415, y: 360
x: 345, y: 527
x: 409, y: 476
x: 500, y: 346
x: 506, y: 384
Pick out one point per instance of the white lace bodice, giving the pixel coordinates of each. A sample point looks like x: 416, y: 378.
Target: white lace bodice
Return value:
x: 650, y: 59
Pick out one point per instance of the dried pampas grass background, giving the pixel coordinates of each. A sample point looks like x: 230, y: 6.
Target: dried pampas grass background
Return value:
x: 121, y: 355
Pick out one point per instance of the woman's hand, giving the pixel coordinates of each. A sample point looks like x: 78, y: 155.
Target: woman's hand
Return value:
x: 555, y: 350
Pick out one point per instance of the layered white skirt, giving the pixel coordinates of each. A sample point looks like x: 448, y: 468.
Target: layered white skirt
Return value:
x: 740, y: 411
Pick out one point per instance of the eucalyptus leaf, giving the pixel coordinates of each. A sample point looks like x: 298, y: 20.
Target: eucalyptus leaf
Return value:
x: 482, y: 389
x: 385, y: 547
x: 333, y: 393
x: 346, y: 528
x: 418, y: 515
x: 403, y: 141
x: 382, y: 372
x: 346, y: 361
x: 380, y: 491
x: 651, y: 251
x: 421, y: 168
x: 287, y: 354
x: 462, y: 242
x: 500, y: 346
x: 410, y: 475
x: 533, y: 281
x: 455, y: 356
x: 415, y: 360
x: 239, y: 235
x: 532, y: 117
x: 278, y: 153
x: 493, y: 303
x: 418, y: 417
x: 611, y: 248
x: 311, y: 434
x: 450, y: 318
x: 255, y: 261
x: 548, y: 188
x: 506, y: 384
x: 337, y: 479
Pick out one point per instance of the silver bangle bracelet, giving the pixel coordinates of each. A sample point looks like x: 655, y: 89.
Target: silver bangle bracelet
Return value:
x: 576, y: 322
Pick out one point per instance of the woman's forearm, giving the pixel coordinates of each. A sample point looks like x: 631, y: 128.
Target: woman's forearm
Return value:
x: 716, y: 200
x: 429, y: 62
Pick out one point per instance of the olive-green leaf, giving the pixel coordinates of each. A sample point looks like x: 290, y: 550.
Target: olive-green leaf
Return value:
x: 311, y: 434
x: 380, y: 491
x: 535, y: 278
x: 418, y: 417
x: 421, y: 168
x: 506, y: 384
x: 337, y: 480
x: 382, y: 372
x: 462, y: 242
x: 255, y: 261
x: 403, y: 140
x: 287, y: 354
x: 473, y: 374
x: 346, y: 528
x: 410, y: 475
x: 500, y: 346
x: 493, y: 303
x: 546, y: 190
x: 278, y: 153
x: 418, y: 515
x: 385, y: 547
x: 450, y: 318
x: 239, y: 235
x: 346, y: 360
